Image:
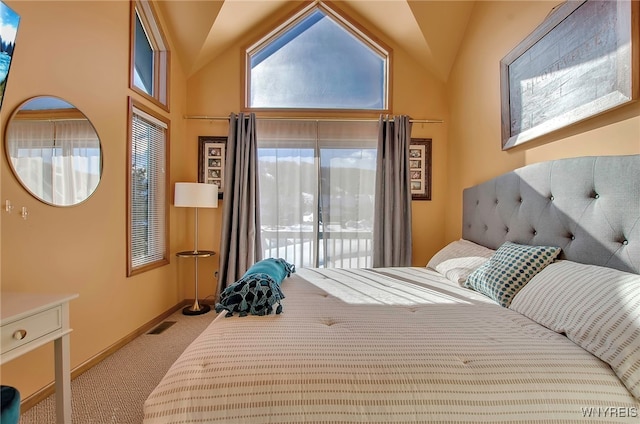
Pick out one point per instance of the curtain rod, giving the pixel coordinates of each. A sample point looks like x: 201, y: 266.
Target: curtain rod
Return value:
x: 278, y: 118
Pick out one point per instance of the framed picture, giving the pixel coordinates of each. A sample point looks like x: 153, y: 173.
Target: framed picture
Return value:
x: 211, y: 154
x: 9, y: 28
x: 580, y: 62
x: 420, y: 168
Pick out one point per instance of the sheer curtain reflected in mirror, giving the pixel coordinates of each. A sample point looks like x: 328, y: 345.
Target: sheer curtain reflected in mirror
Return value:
x: 317, y: 183
x: 54, y: 151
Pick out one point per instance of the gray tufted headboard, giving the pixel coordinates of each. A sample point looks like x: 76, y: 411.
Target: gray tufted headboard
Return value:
x: 588, y: 206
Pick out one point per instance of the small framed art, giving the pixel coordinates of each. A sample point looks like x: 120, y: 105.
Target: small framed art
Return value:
x: 420, y: 168
x: 211, y: 155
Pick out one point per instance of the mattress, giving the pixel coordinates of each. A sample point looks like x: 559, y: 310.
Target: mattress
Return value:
x: 387, y: 345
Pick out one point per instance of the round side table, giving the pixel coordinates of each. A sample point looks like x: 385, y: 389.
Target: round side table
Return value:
x: 196, y: 308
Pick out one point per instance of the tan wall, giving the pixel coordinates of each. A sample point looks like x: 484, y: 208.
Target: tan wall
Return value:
x: 474, y: 95
x: 82, y: 56
x: 80, y: 51
x: 215, y: 90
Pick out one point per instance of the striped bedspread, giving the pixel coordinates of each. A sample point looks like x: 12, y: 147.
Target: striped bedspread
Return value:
x: 389, y: 345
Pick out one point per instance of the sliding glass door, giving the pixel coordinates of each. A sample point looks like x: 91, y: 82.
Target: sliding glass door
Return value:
x: 317, y: 191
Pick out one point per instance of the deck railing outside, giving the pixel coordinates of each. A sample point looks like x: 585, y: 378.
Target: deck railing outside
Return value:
x: 336, y: 247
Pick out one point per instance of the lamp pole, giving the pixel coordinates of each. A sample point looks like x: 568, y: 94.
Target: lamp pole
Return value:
x: 196, y: 195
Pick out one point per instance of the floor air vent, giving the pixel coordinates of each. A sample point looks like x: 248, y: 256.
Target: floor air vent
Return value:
x: 161, y: 327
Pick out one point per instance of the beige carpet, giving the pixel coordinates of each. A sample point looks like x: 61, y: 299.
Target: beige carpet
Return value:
x: 114, y: 391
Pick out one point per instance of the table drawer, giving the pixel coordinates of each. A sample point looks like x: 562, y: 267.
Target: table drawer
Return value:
x: 28, y: 329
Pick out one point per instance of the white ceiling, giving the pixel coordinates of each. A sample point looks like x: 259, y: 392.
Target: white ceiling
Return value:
x: 430, y: 31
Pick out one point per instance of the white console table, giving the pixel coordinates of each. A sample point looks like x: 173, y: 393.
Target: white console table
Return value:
x: 30, y: 320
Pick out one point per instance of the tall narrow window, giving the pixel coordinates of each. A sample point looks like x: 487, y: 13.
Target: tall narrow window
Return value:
x: 147, y: 187
x: 318, y: 60
x: 317, y: 191
x: 149, y: 54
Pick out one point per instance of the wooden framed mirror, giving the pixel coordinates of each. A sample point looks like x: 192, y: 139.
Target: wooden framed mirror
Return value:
x: 54, y: 151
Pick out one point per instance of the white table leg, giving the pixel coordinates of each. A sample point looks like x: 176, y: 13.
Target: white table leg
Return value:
x: 63, y: 380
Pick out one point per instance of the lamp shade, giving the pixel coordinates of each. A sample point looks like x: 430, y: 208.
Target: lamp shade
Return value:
x: 196, y: 195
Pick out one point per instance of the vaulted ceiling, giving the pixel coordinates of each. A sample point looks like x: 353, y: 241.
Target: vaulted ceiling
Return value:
x: 430, y: 31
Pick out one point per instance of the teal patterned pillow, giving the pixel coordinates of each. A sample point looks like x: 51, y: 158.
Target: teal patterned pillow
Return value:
x: 509, y: 269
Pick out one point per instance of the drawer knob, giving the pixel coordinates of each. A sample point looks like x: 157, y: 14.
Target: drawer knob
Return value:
x: 20, y: 334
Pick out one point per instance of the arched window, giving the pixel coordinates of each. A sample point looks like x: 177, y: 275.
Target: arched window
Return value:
x: 317, y: 60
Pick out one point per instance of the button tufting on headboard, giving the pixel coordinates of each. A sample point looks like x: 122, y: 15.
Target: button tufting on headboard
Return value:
x: 531, y: 214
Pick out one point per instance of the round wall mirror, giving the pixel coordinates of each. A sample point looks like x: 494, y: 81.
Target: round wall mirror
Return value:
x: 54, y: 151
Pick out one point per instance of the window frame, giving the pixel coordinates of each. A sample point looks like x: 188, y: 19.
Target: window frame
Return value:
x: 347, y: 24
x: 316, y: 141
x: 131, y: 270
x: 144, y: 10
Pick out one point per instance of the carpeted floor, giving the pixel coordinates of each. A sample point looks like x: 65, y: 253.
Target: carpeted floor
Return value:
x: 114, y: 391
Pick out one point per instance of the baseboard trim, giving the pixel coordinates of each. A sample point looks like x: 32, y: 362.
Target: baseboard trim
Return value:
x: 30, y: 401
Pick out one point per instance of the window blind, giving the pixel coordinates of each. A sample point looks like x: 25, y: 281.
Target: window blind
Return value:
x: 147, y: 190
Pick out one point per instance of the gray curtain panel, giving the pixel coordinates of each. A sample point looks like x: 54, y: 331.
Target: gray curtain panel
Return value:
x: 392, y: 214
x: 240, y: 245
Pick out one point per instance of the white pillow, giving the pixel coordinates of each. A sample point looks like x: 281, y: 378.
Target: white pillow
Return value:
x: 458, y: 259
x: 597, y: 308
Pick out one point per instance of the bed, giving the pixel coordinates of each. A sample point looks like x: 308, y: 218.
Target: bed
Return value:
x: 447, y: 342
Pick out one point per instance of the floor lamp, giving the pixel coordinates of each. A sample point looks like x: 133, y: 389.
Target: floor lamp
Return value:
x: 196, y: 195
